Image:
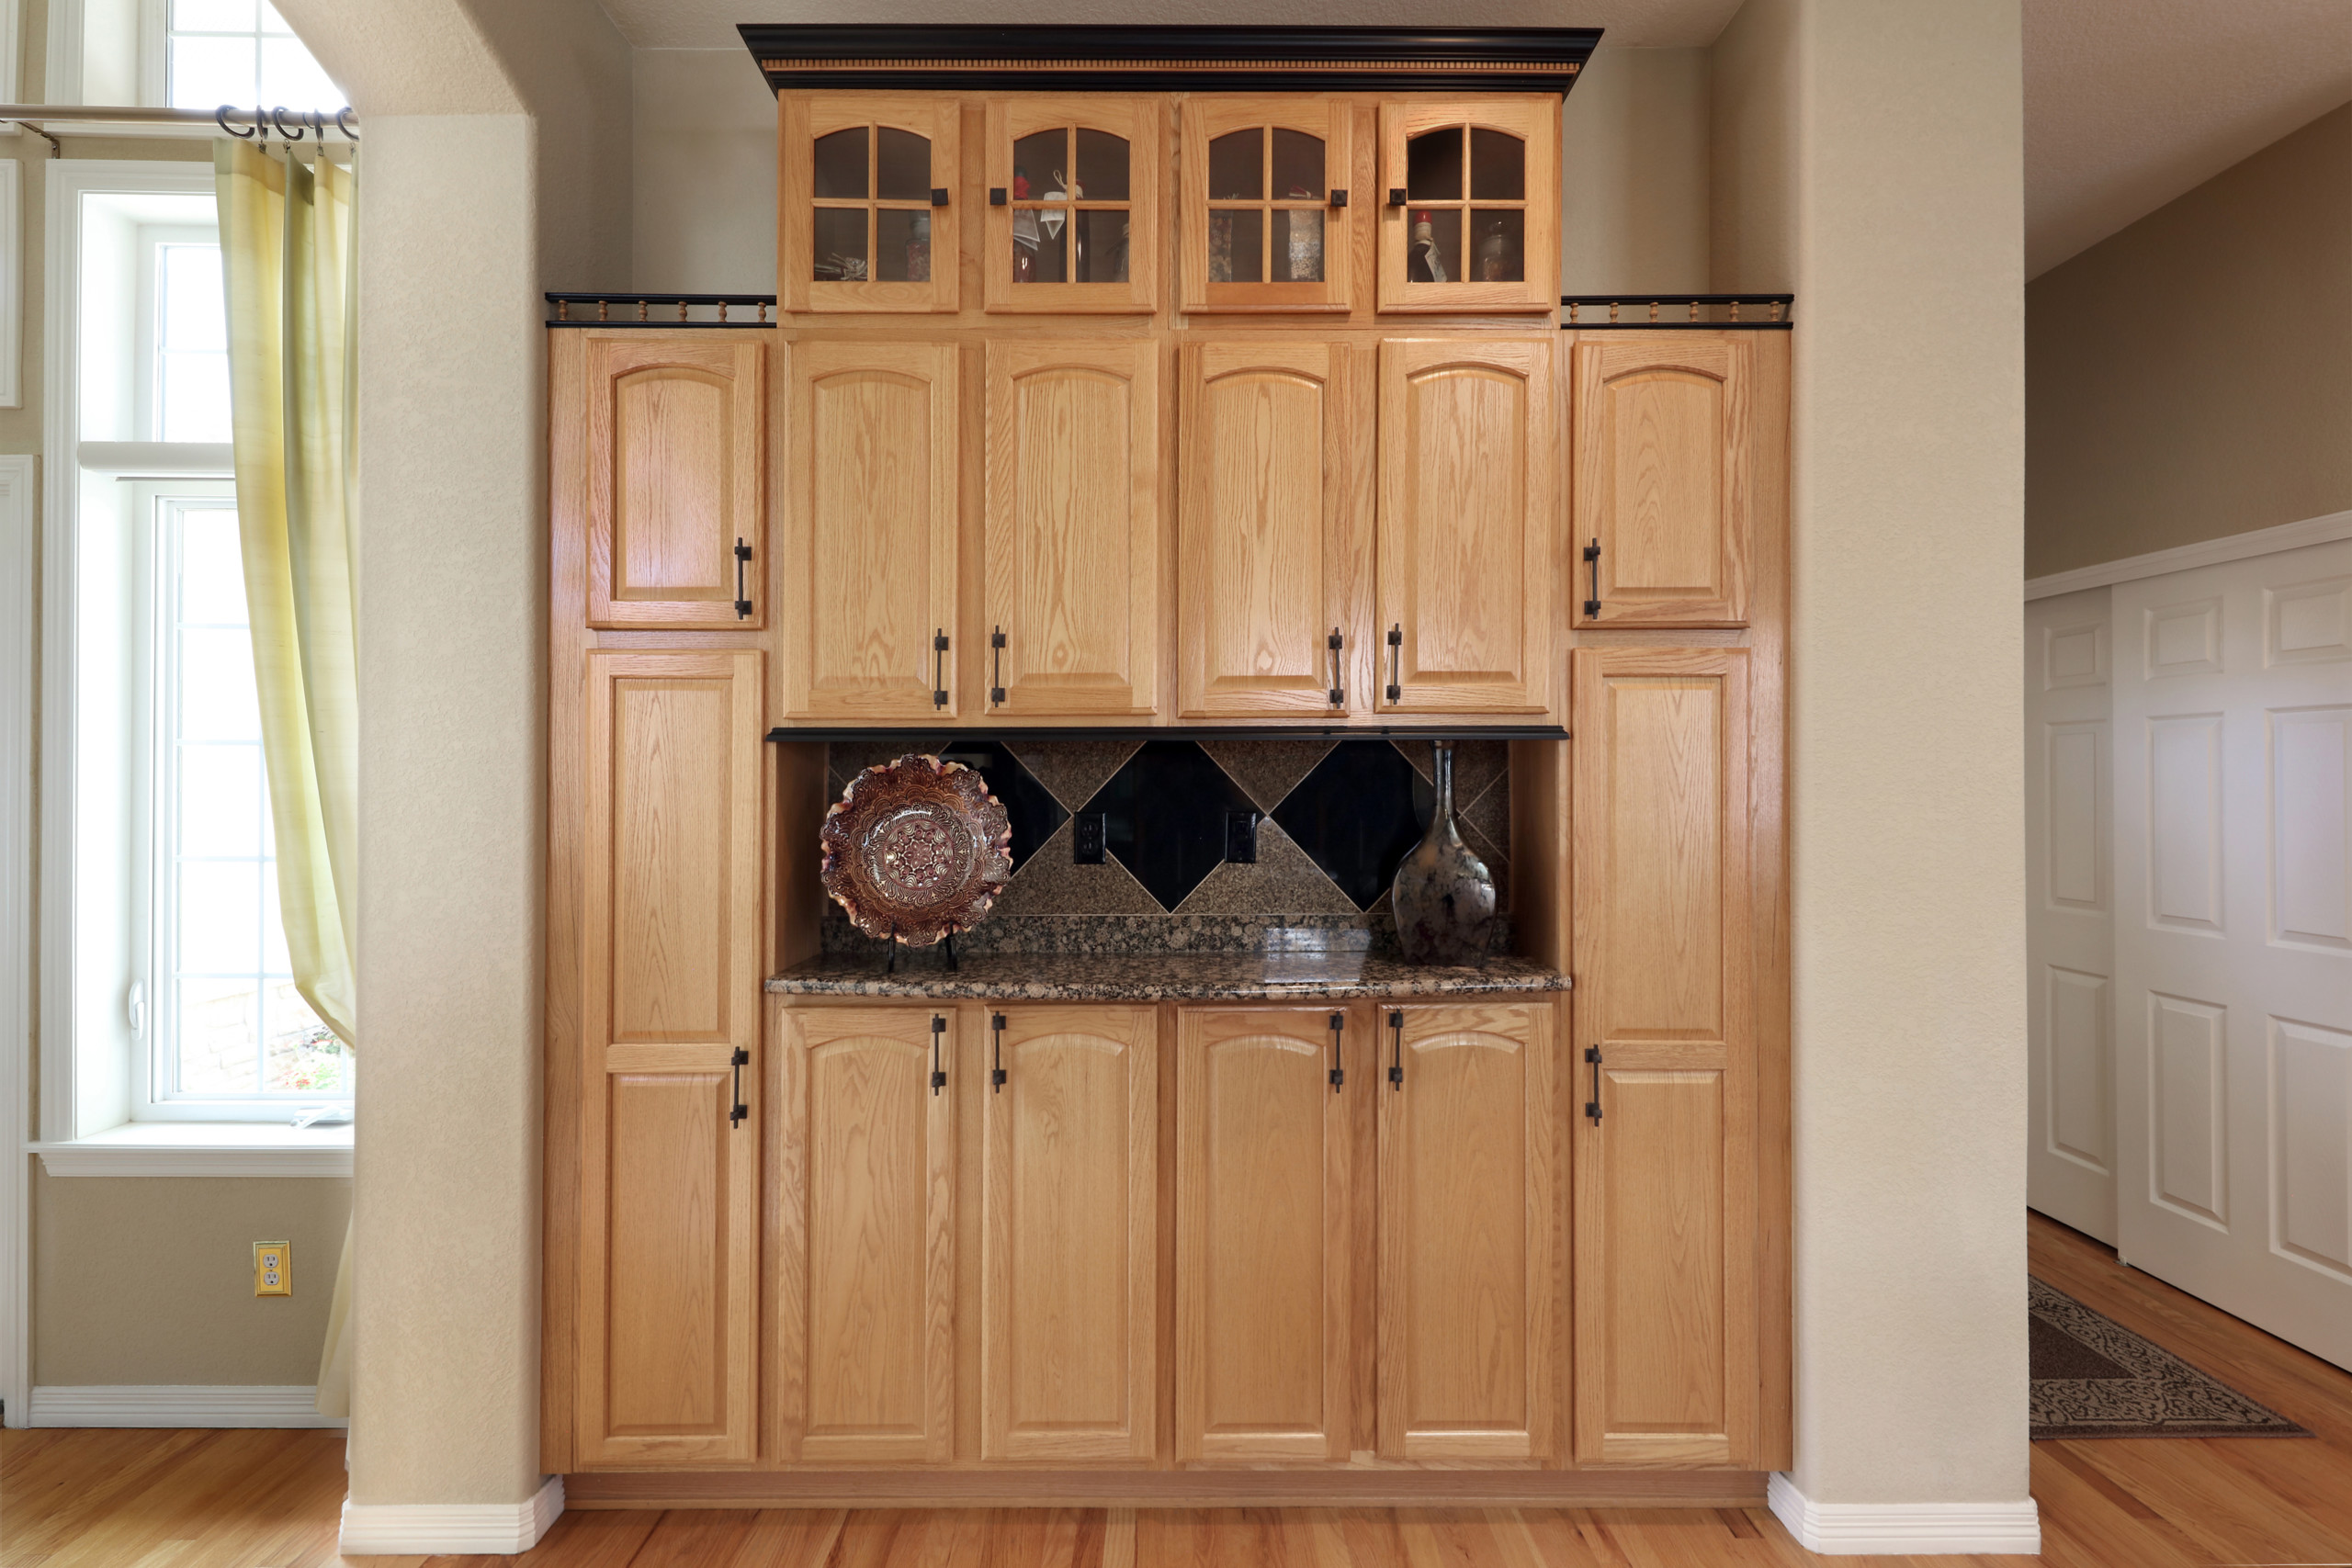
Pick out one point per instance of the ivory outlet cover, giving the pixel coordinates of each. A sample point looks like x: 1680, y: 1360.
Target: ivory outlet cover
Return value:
x: 273, y: 1268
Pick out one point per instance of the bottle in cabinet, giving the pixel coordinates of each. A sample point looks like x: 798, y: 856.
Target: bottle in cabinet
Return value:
x: 1470, y: 218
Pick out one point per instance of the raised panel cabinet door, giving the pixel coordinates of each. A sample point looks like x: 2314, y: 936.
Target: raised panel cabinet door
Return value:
x: 1467, y: 550
x: 1667, y: 1358
x: 865, y: 1272
x: 1074, y: 192
x: 869, y: 631
x: 668, y: 1298
x: 1469, y: 1210
x: 1263, y: 210
x: 677, y: 429
x: 1072, y: 535
x: 1665, y: 477
x: 1262, y: 1204
x: 1470, y: 204
x: 1069, y: 1247
x: 868, y: 190
x: 1268, y: 432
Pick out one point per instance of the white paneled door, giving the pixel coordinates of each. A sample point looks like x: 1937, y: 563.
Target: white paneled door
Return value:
x: 2233, y: 900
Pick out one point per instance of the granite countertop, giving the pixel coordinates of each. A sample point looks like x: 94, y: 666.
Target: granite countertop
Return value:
x: 1333, y: 976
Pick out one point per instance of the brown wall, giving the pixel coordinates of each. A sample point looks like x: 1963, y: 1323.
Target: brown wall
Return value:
x: 2190, y: 377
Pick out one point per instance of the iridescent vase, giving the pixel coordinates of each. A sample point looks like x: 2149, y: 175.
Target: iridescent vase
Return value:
x: 1445, y: 896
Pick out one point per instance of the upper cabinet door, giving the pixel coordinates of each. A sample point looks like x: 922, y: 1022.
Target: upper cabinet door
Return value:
x: 1666, y: 458
x: 870, y: 533
x: 1072, y: 533
x: 1470, y: 204
x: 676, y: 479
x: 867, y: 195
x: 1467, y: 547
x: 1270, y: 435
x: 1073, y: 191
x: 1264, y: 219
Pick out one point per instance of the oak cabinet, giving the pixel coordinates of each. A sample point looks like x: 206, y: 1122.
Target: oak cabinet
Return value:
x: 1073, y: 190
x: 867, y: 201
x: 667, y: 1316
x: 1468, y: 544
x: 1264, y: 1200
x: 870, y: 534
x: 1468, y: 1213
x: 1263, y: 210
x: 1069, y: 1236
x: 1072, y: 527
x: 1666, y: 478
x: 1470, y: 213
x: 1666, y: 1220
x: 676, y: 456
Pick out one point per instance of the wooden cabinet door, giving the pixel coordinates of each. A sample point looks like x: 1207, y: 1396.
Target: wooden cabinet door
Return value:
x: 1263, y: 218
x: 1666, y: 460
x: 865, y: 1368
x: 1069, y: 1249
x: 668, y: 1302
x: 868, y: 195
x: 1470, y: 204
x: 1072, y: 533
x: 1468, y: 1211
x: 1263, y: 1289
x: 870, y: 535
x: 1468, y: 548
x: 677, y: 463
x: 1073, y: 219
x: 1666, y: 1220
x: 1269, y: 434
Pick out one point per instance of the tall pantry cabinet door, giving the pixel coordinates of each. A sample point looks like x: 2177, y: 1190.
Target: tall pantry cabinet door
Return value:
x: 865, y: 1277
x: 1666, y: 1224
x: 1263, y: 626
x: 677, y: 459
x: 1665, y: 462
x: 1262, y: 1291
x: 1072, y: 532
x: 1469, y: 1214
x: 1069, y: 1199
x: 667, y: 1299
x: 870, y: 630
x: 1467, y: 550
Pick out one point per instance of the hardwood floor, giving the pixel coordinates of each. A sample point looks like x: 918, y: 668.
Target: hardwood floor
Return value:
x: 269, y: 1499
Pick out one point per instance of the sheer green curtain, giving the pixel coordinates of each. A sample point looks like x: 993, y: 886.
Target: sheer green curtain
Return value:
x: 287, y: 264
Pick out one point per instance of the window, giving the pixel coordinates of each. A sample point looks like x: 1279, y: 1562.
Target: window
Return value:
x: 241, y: 52
x: 190, y: 365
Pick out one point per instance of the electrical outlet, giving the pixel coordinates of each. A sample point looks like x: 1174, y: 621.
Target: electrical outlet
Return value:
x: 273, y: 1268
x: 1242, y: 838
x: 1089, y: 831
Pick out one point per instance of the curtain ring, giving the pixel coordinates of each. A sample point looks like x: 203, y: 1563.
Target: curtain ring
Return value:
x: 220, y: 115
x: 278, y: 118
x: 341, y: 124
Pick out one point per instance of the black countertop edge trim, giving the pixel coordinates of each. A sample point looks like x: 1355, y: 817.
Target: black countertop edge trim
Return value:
x: 1174, y: 732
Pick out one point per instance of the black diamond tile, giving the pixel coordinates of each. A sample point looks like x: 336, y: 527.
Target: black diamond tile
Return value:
x: 1166, y: 809
x: 1358, y: 813
x: 1028, y: 805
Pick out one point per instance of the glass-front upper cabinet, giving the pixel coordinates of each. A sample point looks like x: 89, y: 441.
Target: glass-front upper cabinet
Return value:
x: 869, y: 196
x: 1470, y: 214
x: 1074, y: 192
x: 1263, y: 219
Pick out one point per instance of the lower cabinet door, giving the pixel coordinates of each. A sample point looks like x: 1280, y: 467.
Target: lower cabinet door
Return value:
x: 1262, y: 1289
x: 866, y: 1235
x: 1468, y: 1213
x: 1069, y: 1314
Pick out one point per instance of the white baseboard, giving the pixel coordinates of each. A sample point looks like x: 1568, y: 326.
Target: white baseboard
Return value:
x: 483, y: 1529
x: 1914, y: 1529
x: 178, y: 1404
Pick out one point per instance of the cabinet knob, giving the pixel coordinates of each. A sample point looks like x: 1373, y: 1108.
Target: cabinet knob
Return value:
x: 939, y: 195
x: 1339, y: 198
x: 1396, y: 196
x: 996, y: 196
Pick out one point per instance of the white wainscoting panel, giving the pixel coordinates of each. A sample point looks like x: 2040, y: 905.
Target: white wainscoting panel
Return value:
x: 2190, y: 1134
x: 2311, y: 826
x: 2311, y: 1145
x: 2185, y: 821
x: 2081, y: 1086
x: 2308, y: 622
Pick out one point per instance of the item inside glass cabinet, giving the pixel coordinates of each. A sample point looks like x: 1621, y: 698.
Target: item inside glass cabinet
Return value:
x: 1065, y: 228
x: 1271, y: 240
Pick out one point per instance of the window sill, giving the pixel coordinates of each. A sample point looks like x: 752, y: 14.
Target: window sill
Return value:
x: 201, y: 1148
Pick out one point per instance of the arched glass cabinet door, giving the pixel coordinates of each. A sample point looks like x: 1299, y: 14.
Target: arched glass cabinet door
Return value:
x: 1470, y: 205
x: 1264, y: 221
x: 1073, y: 194
x: 869, y: 204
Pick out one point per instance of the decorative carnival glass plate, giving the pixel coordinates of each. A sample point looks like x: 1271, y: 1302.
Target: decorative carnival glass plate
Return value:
x: 916, y: 849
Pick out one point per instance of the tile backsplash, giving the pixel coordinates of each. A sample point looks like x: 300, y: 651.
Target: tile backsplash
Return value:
x: 1333, y: 820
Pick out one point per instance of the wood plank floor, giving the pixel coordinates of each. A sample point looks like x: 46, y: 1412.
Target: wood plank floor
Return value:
x: 264, y: 1499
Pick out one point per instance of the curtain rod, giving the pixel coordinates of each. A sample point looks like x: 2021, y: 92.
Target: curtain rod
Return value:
x: 288, y: 125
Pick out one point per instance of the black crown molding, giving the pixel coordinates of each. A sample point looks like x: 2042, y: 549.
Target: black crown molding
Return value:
x: 899, y: 56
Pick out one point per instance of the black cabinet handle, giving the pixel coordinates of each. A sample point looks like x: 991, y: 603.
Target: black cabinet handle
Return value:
x: 1396, y: 662
x: 1396, y: 1039
x: 996, y: 1072
x: 939, y: 668
x: 743, y: 559
x: 1592, y: 561
x: 996, y: 652
x: 938, y: 1073
x: 1592, y: 1106
x: 1338, y: 1074
x: 1338, y: 682
x: 737, y: 1061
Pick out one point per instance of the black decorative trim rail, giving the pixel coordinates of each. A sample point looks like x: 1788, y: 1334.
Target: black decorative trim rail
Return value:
x: 1710, y: 312
x: 912, y: 733
x: 870, y: 56
x: 661, y: 311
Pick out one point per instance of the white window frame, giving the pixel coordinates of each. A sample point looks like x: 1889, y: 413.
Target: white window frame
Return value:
x: 94, y: 1079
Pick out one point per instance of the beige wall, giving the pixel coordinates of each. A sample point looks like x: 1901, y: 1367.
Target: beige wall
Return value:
x: 1907, y: 832
x: 704, y: 150
x: 2190, y: 377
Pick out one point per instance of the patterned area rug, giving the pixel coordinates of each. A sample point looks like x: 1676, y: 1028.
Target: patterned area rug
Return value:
x: 2094, y: 1377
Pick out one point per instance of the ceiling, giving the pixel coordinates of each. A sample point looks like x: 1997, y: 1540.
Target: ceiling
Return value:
x: 2128, y: 103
